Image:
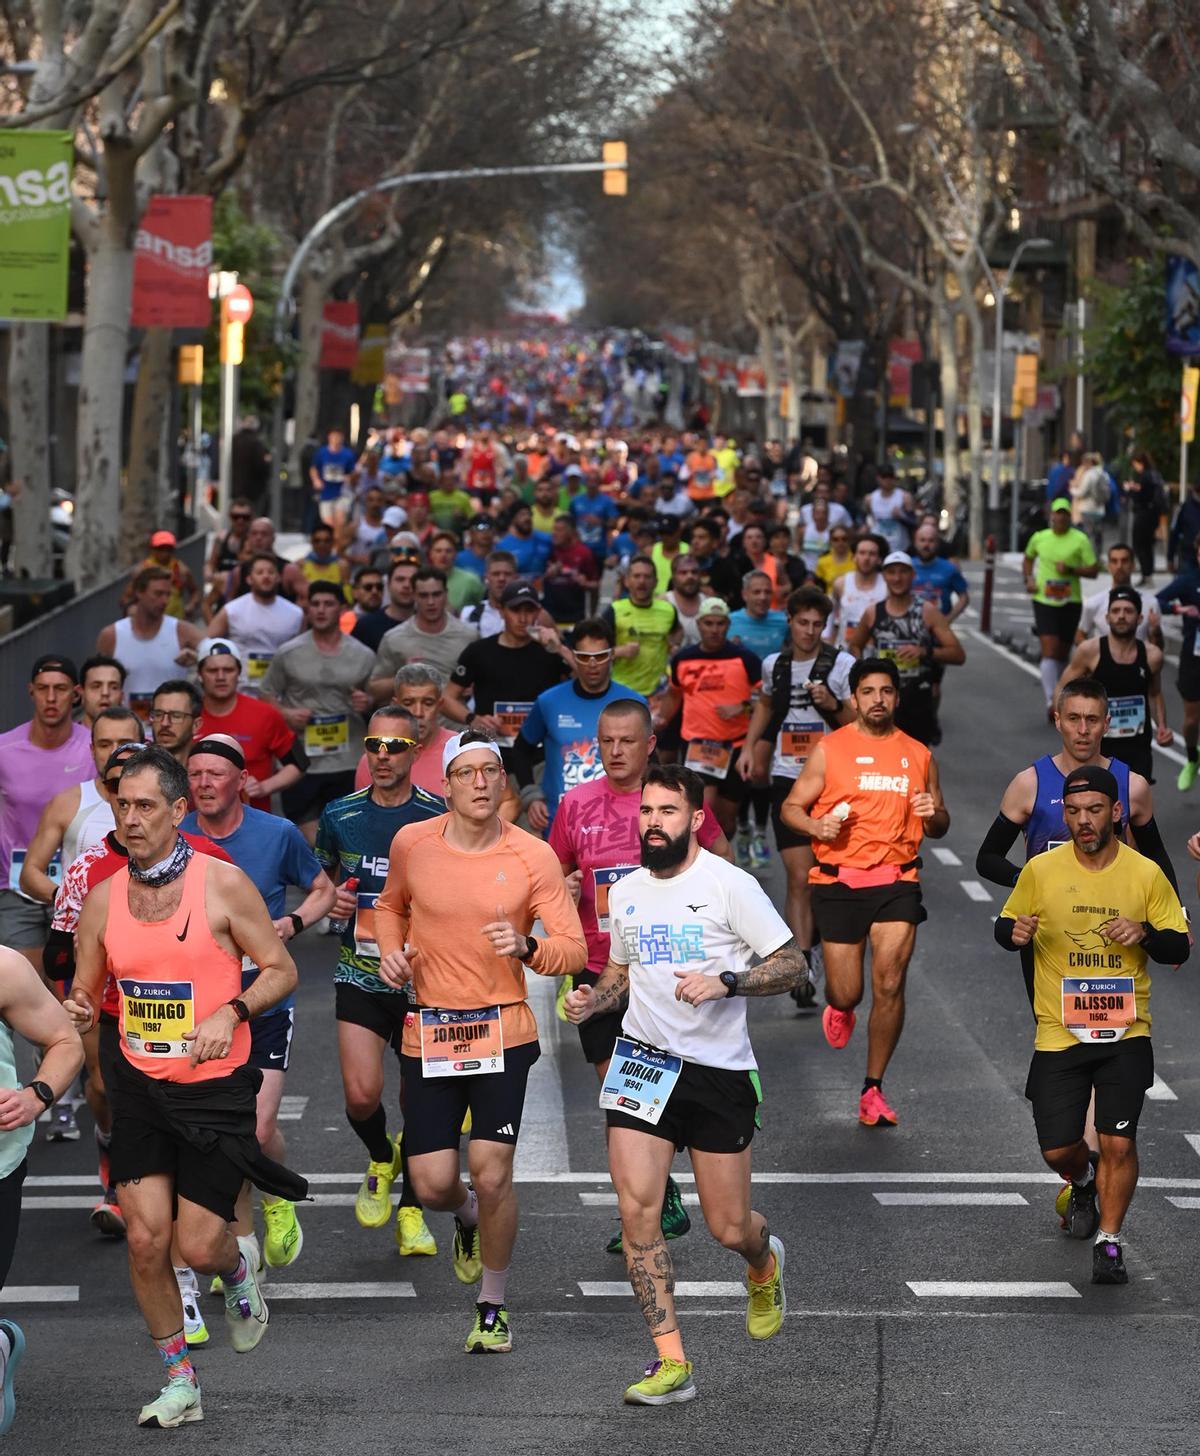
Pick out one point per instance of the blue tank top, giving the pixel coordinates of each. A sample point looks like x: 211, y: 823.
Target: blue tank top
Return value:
x: 1046, y: 828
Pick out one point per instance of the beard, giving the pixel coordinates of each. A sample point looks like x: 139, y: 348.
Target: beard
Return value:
x: 664, y: 854
x: 1103, y: 838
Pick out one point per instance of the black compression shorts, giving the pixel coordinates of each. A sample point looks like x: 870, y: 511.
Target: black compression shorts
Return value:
x: 435, y: 1107
x: 711, y: 1109
x: 1060, y: 1086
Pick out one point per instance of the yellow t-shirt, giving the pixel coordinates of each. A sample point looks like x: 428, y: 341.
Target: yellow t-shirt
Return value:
x: 1072, y: 903
x: 829, y: 569
x: 727, y: 464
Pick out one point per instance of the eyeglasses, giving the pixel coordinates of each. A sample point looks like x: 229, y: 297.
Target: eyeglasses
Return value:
x: 370, y: 586
x: 168, y: 715
x: 466, y: 775
x: 594, y: 656
x: 113, y: 784
x: 389, y: 745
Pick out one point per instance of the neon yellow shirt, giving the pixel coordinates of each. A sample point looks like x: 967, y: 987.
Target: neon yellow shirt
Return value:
x: 1050, y: 551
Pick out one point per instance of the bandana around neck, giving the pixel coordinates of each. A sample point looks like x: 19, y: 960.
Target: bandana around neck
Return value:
x: 165, y: 870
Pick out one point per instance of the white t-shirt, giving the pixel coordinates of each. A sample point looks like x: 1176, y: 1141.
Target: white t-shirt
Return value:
x: 1093, y: 623
x: 788, y: 758
x: 711, y: 918
x: 838, y: 515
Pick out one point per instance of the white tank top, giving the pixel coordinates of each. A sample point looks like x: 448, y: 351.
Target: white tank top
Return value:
x: 855, y: 602
x: 884, y: 510
x: 259, y: 632
x: 691, y: 632
x: 93, y: 820
x: 148, y: 662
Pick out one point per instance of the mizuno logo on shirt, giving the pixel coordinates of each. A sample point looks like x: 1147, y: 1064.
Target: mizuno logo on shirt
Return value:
x: 884, y: 783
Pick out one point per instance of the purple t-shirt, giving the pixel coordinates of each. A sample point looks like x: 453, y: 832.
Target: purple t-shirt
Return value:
x: 29, y: 778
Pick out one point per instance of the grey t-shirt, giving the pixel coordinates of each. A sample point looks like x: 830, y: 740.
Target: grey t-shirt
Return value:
x: 407, y: 643
x: 302, y: 676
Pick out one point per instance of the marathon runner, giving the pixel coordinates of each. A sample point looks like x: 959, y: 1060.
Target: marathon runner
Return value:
x: 182, y: 1094
x: 854, y: 591
x: 432, y: 635
x: 174, y: 709
x: 685, y: 930
x: 1055, y: 561
x: 149, y: 644
x: 1094, y: 912
x: 258, y: 623
x: 273, y: 854
x: 867, y: 796
x: 646, y: 629
x: 354, y: 836
x: 1093, y: 621
x: 462, y: 894
x: 101, y: 685
x: 1181, y: 597
x: 1131, y: 672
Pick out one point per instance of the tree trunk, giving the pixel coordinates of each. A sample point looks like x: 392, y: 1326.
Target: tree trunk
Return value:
x: 770, y: 366
x: 308, y: 368
x: 975, y: 433
x: 948, y: 364
x: 140, y: 510
x: 29, y: 433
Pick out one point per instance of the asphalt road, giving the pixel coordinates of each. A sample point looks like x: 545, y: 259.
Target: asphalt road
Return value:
x: 1019, y: 1354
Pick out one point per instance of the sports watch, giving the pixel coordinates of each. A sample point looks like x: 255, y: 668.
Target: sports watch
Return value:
x: 43, y: 1091
x: 729, y: 980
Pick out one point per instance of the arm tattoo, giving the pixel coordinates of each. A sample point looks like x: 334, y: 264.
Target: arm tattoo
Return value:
x: 612, y: 987
x: 782, y: 969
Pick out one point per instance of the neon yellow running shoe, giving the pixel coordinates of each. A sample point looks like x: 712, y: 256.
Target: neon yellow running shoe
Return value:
x: 1187, y: 775
x: 468, y: 1262
x: 284, y: 1238
x: 373, y: 1206
x: 249, y: 1243
x: 767, y: 1304
x: 412, y: 1232
x: 490, y: 1334
x: 665, y: 1382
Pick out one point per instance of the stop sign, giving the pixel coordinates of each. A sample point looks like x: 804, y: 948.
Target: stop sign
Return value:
x: 239, y: 305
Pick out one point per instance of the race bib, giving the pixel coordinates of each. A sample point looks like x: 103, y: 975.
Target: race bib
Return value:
x: 1128, y: 717
x: 1057, y: 590
x: 710, y: 757
x: 461, y: 1043
x: 905, y: 669
x: 796, y: 744
x: 604, y: 880
x: 1098, y: 1009
x: 365, y: 943
x: 639, y: 1080
x: 326, y: 735
x: 510, y: 717
x: 155, y: 1015
x: 54, y: 870
x: 257, y: 664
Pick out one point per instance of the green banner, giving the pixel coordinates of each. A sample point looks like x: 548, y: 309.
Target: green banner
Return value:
x: 35, y: 223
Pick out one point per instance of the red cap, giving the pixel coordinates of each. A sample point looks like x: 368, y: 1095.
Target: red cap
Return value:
x: 163, y: 538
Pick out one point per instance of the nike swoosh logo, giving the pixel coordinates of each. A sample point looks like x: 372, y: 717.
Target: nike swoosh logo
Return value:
x: 275, y: 1056
x: 183, y: 933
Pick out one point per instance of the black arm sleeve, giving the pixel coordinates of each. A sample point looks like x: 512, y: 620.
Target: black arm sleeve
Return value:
x: 1167, y: 947
x: 296, y: 755
x: 1149, y: 842
x: 58, y: 958
x: 524, y: 758
x: 1003, y: 931
x: 992, y: 862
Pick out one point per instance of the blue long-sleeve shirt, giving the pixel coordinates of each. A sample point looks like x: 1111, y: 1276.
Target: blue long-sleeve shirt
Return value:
x: 1185, y: 590
x: 1181, y: 543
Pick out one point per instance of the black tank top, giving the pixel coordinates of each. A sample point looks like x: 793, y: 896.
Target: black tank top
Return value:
x: 906, y: 630
x: 1128, y: 688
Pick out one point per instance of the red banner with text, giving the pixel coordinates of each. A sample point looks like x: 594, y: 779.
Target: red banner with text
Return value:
x: 171, y: 263
x: 339, y: 334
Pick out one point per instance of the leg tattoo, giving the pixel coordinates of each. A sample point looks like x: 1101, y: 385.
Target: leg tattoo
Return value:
x: 650, y: 1264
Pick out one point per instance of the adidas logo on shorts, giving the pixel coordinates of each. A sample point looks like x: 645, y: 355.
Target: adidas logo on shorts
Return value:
x: 506, y: 1130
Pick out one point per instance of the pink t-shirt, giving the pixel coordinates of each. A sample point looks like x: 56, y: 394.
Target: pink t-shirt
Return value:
x: 29, y: 778
x: 595, y: 830
x: 426, y: 770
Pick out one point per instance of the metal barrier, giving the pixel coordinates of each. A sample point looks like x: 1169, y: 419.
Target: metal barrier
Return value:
x: 72, y: 630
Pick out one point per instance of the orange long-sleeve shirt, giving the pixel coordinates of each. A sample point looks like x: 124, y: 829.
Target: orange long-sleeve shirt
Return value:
x: 438, y: 899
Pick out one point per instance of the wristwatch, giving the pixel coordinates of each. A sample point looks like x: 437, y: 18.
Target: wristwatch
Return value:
x: 729, y: 980
x: 531, y: 946
x: 241, y: 1010
x: 43, y: 1091
x: 298, y: 925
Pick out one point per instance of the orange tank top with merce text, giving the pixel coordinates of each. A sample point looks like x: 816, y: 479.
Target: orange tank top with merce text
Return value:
x: 877, y: 777
x: 170, y: 975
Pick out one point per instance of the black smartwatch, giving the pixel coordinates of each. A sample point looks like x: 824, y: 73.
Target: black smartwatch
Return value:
x: 729, y: 980
x: 298, y: 925
x: 241, y: 1010
x: 43, y: 1091
x: 531, y: 946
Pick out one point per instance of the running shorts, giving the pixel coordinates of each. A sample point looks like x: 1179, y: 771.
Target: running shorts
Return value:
x: 1060, y: 1086
x: 733, y: 788
x: 711, y: 1110
x: 23, y: 923
x: 435, y: 1107
x: 382, y: 1013
x: 271, y: 1040
x: 109, y: 1052
x: 1060, y: 622
x: 598, y: 1033
x: 845, y: 916
x: 785, y: 838
x: 1188, y: 680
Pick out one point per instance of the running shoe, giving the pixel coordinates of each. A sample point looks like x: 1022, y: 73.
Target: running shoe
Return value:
x: 217, y: 1287
x: 107, y: 1217
x: 246, y: 1311
x: 1187, y: 775
x: 760, y: 855
x: 560, y: 997
x: 1083, y: 1213
x: 195, y: 1331
x: 412, y: 1232
x: 12, y: 1347
x: 741, y: 851
x: 178, y: 1403
x: 1108, y: 1265
x: 767, y: 1304
x: 838, y: 1026
x: 666, y: 1382
x: 373, y: 1206
x: 490, y: 1332
x: 102, y: 1163
x: 468, y: 1262
x: 63, y: 1127
x: 674, y: 1220
x: 874, y: 1111
x: 283, y: 1238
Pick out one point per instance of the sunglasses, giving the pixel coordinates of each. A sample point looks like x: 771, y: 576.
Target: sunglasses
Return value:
x: 113, y: 784
x: 406, y: 553
x: 594, y: 656
x: 389, y: 745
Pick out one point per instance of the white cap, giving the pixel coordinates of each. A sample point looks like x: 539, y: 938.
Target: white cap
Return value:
x: 217, y: 647
x: 395, y: 516
x: 455, y: 746
x: 899, y: 558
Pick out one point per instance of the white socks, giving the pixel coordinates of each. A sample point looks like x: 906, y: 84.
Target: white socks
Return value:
x: 1051, y: 669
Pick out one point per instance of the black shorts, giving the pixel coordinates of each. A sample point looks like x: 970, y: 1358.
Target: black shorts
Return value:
x: 271, y: 1040
x: 1188, y: 681
x: 845, y: 916
x: 143, y: 1144
x: 434, y: 1107
x: 302, y: 802
x: 381, y: 1012
x: 1060, y: 1086
x: 785, y: 838
x: 598, y: 1033
x: 733, y: 788
x: 712, y: 1109
x: 1061, y: 622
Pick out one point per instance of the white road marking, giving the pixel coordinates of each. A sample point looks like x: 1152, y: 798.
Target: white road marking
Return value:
x: 388, y: 1290
x: 946, y: 856
x: 1177, y: 1201
x: 291, y: 1109
x: 975, y: 891
x: 951, y: 1200
x: 684, y: 1288
x: 41, y: 1294
x: 543, y: 1144
x: 609, y: 1200
x: 1193, y: 1139
x: 992, y: 1289
x: 1158, y: 1091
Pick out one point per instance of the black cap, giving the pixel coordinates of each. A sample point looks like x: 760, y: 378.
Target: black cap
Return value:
x: 667, y: 523
x: 885, y: 469
x: 758, y: 506
x: 519, y: 594
x: 54, y: 662
x: 477, y: 523
x: 1091, y: 778
x: 1125, y: 594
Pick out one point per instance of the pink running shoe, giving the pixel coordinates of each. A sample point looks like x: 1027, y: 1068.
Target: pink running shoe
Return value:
x: 873, y: 1110
x: 838, y: 1026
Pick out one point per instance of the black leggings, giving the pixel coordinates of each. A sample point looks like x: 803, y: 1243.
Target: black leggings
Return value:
x: 1145, y: 527
x: 10, y: 1216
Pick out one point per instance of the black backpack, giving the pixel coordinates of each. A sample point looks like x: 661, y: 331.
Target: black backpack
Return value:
x: 781, y: 686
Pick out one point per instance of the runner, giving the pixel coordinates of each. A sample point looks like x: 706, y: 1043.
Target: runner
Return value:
x: 854, y: 591
x: 354, y: 835
x: 174, y: 709
x: 1131, y: 672
x: 758, y: 626
x: 258, y: 623
x: 454, y: 917
x: 486, y: 616
x: 645, y: 629
x: 148, y: 643
x: 1181, y: 597
x: 596, y: 838
x: 183, y: 1106
x: 1093, y: 621
x: 685, y: 597
x: 101, y: 685
x: 432, y: 635
x: 866, y: 886
x: 890, y: 510
x: 686, y: 928
x: 27, y: 1008
x: 804, y: 694
x: 418, y: 691
x: 273, y: 854
x: 1093, y: 1031
x: 1055, y: 561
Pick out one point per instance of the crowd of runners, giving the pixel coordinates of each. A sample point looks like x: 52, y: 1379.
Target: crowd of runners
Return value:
x: 546, y: 694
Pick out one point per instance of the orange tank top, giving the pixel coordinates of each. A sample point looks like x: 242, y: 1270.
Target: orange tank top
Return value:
x: 170, y: 975
x: 877, y: 777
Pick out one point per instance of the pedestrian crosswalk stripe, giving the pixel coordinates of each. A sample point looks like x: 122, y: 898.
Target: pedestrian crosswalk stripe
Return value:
x: 951, y: 1200
x: 992, y: 1289
x: 389, y: 1289
x: 291, y: 1109
x: 684, y: 1288
x: 41, y: 1294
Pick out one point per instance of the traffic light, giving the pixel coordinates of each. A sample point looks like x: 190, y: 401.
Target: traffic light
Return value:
x: 616, y: 178
x: 191, y: 364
